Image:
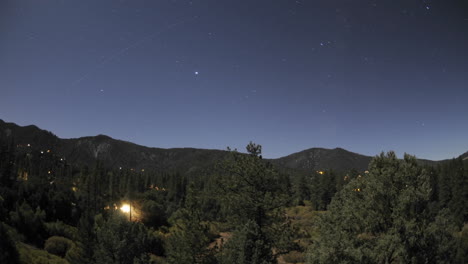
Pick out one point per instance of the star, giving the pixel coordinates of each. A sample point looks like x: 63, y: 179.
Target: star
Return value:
x: 196, y: 73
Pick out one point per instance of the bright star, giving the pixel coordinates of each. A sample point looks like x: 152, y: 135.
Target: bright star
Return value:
x: 196, y: 73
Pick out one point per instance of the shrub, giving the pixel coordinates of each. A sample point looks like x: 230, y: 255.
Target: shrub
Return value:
x: 58, y: 245
x: 59, y: 228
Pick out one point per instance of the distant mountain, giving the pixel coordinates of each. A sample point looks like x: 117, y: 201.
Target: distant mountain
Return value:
x: 320, y: 159
x: 464, y: 156
x: 117, y: 153
x: 113, y: 153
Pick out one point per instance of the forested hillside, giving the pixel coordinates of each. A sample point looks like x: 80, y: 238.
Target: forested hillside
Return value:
x: 113, y: 153
x: 242, y: 209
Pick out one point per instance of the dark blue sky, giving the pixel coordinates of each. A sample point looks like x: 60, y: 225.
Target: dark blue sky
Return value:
x: 366, y: 76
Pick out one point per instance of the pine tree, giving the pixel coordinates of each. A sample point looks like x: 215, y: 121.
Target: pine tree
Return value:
x: 252, y: 193
x: 384, y: 217
x: 188, y: 240
x: 121, y: 241
x: 459, y: 202
x: 8, y: 251
x: 301, y: 190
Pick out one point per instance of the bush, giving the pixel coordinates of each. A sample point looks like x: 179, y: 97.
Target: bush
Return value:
x: 59, y: 228
x: 58, y: 245
x: 31, y: 255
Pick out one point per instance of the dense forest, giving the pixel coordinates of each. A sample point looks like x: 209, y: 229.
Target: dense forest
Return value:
x: 242, y: 210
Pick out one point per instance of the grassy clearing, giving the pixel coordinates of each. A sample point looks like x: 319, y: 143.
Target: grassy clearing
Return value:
x: 302, y: 218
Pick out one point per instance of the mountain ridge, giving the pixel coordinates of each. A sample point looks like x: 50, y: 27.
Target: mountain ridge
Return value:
x: 120, y: 153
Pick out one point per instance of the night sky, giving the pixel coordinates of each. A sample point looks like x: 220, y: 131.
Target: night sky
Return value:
x: 367, y: 76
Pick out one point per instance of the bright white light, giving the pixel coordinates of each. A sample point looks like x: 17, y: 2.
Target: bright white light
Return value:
x: 125, y: 208
x: 196, y: 73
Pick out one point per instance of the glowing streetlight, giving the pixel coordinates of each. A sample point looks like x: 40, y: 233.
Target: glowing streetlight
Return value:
x: 125, y: 208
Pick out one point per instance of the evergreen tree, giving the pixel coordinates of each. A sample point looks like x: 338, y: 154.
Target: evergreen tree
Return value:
x: 253, y: 195
x: 248, y: 244
x: 83, y: 252
x: 459, y: 203
x: 29, y: 222
x: 301, y: 190
x: 8, y: 251
x: 384, y: 217
x: 7, y: 158
x: 121, y: 241
x: 188, y: 240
